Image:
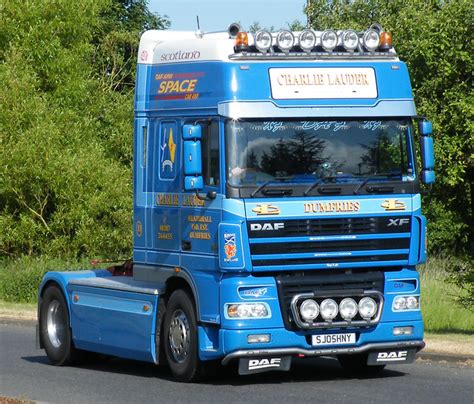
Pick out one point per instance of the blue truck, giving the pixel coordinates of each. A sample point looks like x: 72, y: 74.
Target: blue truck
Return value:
x: 276, y: 211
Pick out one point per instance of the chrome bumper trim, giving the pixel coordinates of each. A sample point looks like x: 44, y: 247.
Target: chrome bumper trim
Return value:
x: 323, y: 352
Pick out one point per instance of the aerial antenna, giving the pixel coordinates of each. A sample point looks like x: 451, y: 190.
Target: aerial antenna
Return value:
x: 199, y: 33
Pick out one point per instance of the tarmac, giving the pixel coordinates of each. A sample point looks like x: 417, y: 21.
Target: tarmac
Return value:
x: 457, y: 351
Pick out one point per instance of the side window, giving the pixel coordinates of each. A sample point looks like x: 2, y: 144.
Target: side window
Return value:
x: 210, y: 153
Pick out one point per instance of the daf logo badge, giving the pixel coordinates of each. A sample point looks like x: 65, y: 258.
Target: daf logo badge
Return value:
x: 266, y: 209
x: 266, y: 226
x: 393, y: 204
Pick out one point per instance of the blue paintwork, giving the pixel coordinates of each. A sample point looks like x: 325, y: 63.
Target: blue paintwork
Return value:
x: 101, y: 316
x: 208, y: 240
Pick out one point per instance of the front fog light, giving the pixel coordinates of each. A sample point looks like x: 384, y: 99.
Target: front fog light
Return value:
x: 263, y: 40
x: 309, y: 310
x: 367, y: 308
x: 350, y: 40
x: 247, y: 310
x: 328, y: 309
x: 258, y: 338
x: 307, y: 40
x: 371, y: 40
x: 403, y: 330
x: 285, y: 40
x: 348, y: 308
x: 329, y: 40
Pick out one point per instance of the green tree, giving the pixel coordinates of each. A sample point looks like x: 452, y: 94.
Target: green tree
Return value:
x: 434, y: 37
x: 65, y: 125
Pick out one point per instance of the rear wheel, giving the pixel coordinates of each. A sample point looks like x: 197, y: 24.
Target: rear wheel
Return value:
x: 357, y: 363
x: 180, y: 338
x: 54, y: 327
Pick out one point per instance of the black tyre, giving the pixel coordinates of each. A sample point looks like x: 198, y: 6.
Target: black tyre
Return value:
x: 55, y: 332
x: 180, y: 338
x: 357, y: 363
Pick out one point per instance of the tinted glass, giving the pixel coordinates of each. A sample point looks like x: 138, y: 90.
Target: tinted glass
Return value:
x: 258, y: 151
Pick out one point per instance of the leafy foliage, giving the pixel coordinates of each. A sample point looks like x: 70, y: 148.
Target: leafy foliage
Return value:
x: 434, y: 38
x: 65, y: 121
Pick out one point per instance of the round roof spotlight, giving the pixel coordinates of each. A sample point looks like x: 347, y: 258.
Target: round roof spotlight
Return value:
x: 329, y: 40
x: 307, y: 40
x: 309, y: 310
x: 348, y: 308
x: 328, y: 309
x: 371, y: 40
x: 263, y: 40
x: 285, y: 40
x: 350, y: 40
x: 367, y: 308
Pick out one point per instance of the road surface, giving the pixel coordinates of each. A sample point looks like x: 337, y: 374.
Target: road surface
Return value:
x: 26, y: 374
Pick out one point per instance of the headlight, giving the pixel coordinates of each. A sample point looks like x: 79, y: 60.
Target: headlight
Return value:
x: 285, y: 40
x: 329, y: 40
x: 263, y: 40
x: 401, y: 303
x: 367, y: 308
x: 371, y: 40
x: 307, y: 40
x: 412, y: 303
x: 328, y: 309
x: 350, y: 40
x: 348, y: 308
x: 247, y: 310
x: 309, y: 310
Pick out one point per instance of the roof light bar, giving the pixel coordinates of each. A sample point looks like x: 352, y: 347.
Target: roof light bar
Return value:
x: 311, y: 44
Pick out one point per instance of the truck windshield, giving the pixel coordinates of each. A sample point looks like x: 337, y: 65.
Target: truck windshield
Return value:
x: 340, y: 151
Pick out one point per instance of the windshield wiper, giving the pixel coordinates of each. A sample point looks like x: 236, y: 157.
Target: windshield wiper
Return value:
x: 371, y: 178
x: 262, y: 186
x: 316, y: 183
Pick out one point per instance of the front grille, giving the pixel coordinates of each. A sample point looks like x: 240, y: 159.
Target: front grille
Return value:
x: 328, y: 242
x: 329, y: 226
x: 330, y: 246
x: 290, y: 285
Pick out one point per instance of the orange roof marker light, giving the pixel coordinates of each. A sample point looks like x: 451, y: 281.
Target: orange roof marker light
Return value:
x: 241, y: 41
x: 385, y: 41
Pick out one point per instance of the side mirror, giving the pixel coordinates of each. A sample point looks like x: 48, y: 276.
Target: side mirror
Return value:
x: 193, y: 180
x: 425, y: 128
x: 428, y: 175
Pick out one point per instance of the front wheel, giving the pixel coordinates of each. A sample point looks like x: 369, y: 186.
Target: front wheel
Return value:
x: 180, y: 338
x: 54, y: 327
x: 357, y: 363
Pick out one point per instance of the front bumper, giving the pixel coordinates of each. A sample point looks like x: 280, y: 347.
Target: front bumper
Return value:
x: 418, y: 345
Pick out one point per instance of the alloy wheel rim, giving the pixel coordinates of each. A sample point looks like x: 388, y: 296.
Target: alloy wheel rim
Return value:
x: 55, y: 324
x: 179, y: 336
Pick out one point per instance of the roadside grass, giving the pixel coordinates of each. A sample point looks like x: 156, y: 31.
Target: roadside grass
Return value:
x: 441, y: 314
x: 20, y: 278
x: 19, y: 281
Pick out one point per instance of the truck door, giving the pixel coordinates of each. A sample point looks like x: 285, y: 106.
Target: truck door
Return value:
x: 199, y: 225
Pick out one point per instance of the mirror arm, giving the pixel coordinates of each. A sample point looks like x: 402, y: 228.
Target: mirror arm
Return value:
x: 209, y: 196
